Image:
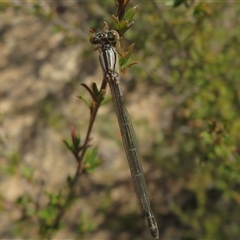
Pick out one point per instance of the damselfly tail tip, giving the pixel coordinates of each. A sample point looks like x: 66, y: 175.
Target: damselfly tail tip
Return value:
x: 152, y: 225
x: 155, y: 234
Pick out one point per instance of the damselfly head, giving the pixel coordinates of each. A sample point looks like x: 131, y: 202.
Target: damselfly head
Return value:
x: 110, y: 37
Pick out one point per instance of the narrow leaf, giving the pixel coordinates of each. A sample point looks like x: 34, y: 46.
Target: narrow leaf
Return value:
x: 95, y: 90
x: 85, y: 100
x: 68, y: 144
x: 130, y: 14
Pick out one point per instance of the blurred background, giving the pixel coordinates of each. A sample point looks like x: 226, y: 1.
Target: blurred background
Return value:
x: 183, y: 99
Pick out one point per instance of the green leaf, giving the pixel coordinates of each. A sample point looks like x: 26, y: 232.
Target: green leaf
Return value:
x: 207, y: 137
x: 48, y: 214
x: 23, y: 200
x: 130, y: 14
x: 106, y: 99
x: 70, y: 180
x: 177, y: 3
x: 68, y: 144
x: 95, y: 90
x: 85, y: 224
x: 123, y: 60
x: 27, y: 172
x: 56, y: 29
x: 169, y: 2
x: 85, y: 100
x: 13, y: 163
x: 124, y: 26
x: 199, y: 11
x: 91, y: 161
x: 101, y: 96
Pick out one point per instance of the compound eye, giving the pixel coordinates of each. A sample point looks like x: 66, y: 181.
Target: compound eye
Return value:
x: 113, y: 36
x: 94, y: 39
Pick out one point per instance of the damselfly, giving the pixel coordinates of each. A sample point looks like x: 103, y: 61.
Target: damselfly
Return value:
x: 109, y: 61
